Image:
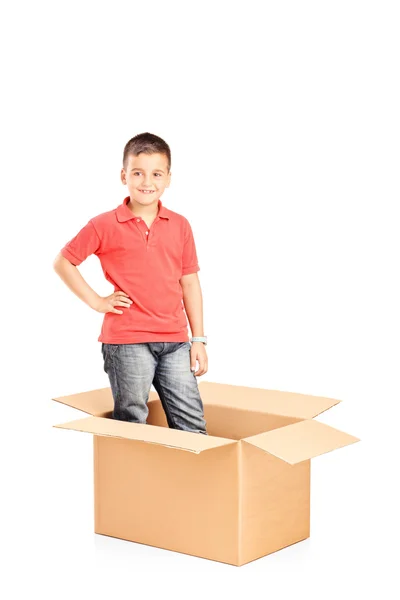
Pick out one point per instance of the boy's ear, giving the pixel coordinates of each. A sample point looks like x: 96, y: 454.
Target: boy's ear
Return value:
x: 123, y: 176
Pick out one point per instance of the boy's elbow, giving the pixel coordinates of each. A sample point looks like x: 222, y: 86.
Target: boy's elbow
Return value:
x: 58, y: 261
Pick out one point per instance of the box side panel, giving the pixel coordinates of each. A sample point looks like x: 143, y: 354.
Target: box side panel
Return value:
x: 156, y: 414
x: 275, y: 503
x: 167, y: 498
x: 237, y: 423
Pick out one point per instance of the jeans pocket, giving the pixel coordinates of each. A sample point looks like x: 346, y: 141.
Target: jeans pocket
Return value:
x: 110, y: 349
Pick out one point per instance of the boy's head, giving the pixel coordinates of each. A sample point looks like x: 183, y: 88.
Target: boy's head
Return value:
x: 146, y: 168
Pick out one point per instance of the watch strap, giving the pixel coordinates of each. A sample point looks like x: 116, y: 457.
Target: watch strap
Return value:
x: 199, y: 339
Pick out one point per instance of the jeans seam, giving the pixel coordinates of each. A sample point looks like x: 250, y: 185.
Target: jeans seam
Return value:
x: 115, y: 376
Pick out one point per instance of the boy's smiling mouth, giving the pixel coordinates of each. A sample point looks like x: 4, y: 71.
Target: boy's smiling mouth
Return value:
x: 146, y: 191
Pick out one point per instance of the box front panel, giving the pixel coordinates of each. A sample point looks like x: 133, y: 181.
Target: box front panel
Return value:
x: 168, y: 498
x: 275, y: 503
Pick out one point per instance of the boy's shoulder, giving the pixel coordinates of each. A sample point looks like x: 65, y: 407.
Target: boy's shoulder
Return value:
x: 105, y: 218
x: 177, y: 217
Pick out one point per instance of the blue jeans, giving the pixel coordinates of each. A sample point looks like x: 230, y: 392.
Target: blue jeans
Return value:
x: 133, y: 368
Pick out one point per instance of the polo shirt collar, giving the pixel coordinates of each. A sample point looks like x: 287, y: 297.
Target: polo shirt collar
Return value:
x: 124, y: 213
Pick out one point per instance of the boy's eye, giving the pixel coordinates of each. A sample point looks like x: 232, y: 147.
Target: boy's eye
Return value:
x: 138, y: 173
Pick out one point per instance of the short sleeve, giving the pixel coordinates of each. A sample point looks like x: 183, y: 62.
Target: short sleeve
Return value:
x: 189, y: 258
x: 85, y: 243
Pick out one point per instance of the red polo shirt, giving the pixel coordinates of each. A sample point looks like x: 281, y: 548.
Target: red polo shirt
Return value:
x: 145, y: 263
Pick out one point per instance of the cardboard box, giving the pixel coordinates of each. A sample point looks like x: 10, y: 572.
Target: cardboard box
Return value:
x: 233, y: 496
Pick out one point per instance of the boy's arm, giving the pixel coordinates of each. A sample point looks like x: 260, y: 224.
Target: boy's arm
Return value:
x: 73, y: 279
x: 83, y: 244
x: 192, y: 296
x: 71, y: 276
x: 193, y: 301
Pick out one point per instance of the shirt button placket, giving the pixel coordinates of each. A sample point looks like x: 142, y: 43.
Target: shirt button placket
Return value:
x: 150, y: 234
x: 147, y: 233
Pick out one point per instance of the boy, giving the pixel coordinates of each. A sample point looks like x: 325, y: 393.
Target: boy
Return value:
x: 147, y: 252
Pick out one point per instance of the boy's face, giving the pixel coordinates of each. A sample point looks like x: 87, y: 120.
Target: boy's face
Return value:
x: 146, y: 172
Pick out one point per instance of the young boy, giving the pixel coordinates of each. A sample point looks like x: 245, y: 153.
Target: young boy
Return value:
x: 147, y: 252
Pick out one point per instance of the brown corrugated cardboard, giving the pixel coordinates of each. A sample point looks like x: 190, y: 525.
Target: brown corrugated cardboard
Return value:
x: 237, y: 494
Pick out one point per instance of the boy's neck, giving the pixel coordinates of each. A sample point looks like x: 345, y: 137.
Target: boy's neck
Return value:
x: 143, y: 211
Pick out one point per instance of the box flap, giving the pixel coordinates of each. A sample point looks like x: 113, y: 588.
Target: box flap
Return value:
x: 94, y: 402
x: 289, y: 404
x: 182, y: 440
x: 301, y: 441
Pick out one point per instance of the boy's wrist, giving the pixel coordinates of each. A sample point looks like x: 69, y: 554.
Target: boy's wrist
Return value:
x: 94, y: 302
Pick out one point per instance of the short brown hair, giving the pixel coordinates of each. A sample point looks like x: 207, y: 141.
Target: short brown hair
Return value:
x: 147, y: 143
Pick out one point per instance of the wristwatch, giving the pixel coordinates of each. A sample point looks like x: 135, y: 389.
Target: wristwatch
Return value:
x: 199, y: 339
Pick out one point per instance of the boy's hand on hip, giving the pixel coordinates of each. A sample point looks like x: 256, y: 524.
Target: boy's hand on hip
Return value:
x: 108, y: 303
x: 198, y: 352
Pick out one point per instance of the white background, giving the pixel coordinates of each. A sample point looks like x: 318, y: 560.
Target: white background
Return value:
x: 283, y: 121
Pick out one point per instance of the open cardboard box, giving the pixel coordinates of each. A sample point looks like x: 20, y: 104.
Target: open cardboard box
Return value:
x: 235, y: 495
